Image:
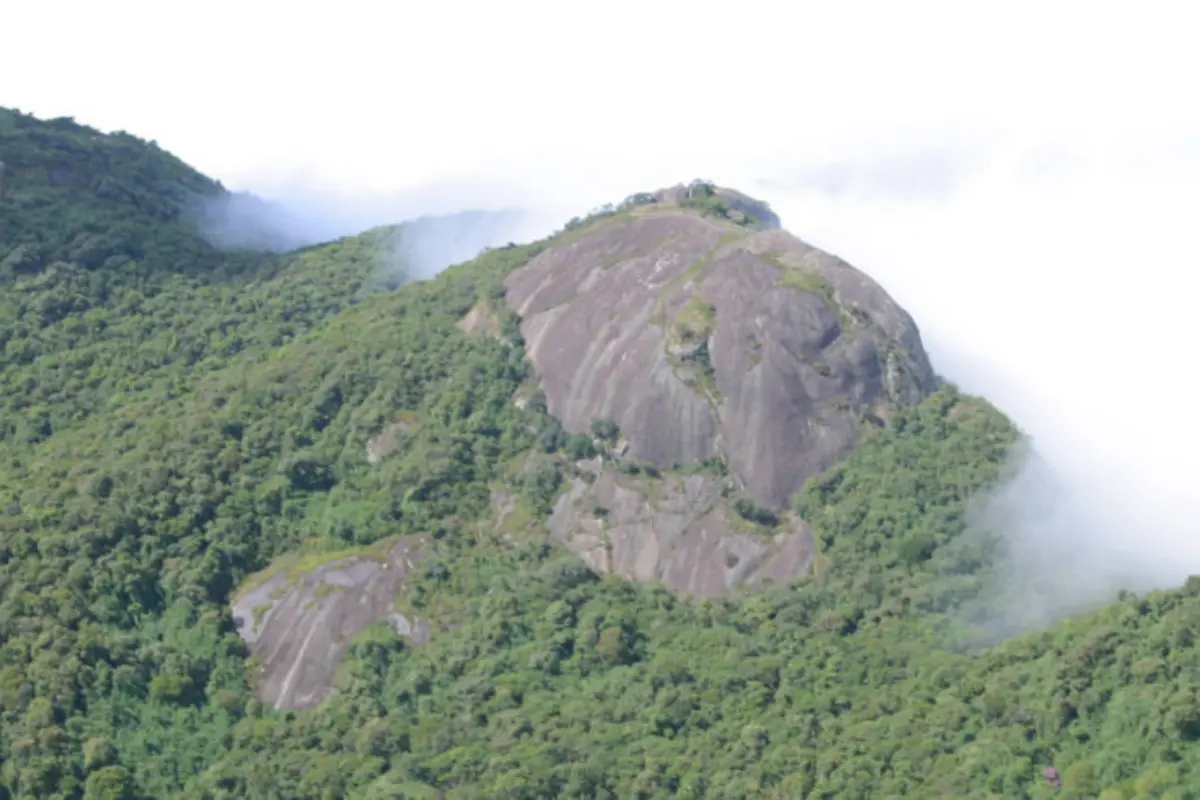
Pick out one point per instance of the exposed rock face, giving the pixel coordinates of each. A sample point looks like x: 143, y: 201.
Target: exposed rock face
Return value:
x: 702, y: 338
x: 481, y: 320
x: 385, y: 441
x: 679, y: 530
x: 302, y: 625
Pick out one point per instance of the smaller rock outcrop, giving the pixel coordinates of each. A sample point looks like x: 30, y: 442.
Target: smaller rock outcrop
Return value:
x: 481, y: 319
x: 385, y: 441
x: 300, y: 623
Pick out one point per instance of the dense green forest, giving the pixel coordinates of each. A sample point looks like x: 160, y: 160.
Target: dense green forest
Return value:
x: 174, y: 417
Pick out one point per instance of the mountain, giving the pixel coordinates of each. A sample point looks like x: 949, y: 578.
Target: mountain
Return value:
x: 763, y: 387
x: 272, y: 528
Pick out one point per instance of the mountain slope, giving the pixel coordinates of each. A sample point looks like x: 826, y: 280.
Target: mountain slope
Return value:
x: 117, y: 465
x: 107, y: 288
x: 140, y: 496
x: 76, y: 195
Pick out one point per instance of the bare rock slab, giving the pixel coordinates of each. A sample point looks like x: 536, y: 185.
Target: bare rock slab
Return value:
x: 703, y: 339
x: 300, y: 624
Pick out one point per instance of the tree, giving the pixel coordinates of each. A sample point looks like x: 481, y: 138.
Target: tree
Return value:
x: 606, y: 430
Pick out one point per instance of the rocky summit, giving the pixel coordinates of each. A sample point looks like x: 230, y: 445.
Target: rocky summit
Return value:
x: 708, y: 335
x: 703, y: 337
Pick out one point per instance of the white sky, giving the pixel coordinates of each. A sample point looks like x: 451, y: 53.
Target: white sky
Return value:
x: 1023, y: 177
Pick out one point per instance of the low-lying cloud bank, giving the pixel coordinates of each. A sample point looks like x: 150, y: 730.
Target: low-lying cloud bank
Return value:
x: 1060, y: 283
x: 242, y: 220
x: 429, y: 240
x: 427, y: 245
x: 1058, y: 552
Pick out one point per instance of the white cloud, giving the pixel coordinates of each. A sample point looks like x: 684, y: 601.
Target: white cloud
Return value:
x: 1022, y: 177
x: 371, y: 95
x: 1070, y: 303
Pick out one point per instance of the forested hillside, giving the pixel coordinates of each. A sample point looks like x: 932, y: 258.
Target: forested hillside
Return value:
x: 175, y: 417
